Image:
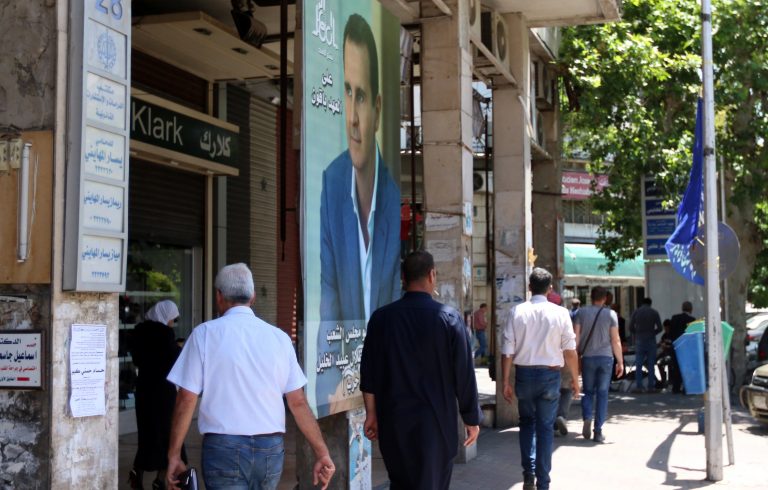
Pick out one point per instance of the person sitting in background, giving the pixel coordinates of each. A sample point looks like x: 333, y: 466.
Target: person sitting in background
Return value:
x: 666, y: 352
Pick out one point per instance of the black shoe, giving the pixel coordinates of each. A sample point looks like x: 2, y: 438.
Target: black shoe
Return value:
x: 158, y: 484
x: 561, y: 426
x: 598, y: 437
x: 528, y: 482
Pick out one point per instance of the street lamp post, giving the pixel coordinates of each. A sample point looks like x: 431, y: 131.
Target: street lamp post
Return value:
x: 714, y: 398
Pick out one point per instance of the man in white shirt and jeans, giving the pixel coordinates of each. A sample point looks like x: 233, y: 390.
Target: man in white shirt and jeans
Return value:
x: 539, y: 339
x: 245, y: 366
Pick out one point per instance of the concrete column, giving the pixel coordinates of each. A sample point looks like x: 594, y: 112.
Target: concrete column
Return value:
x: 446, y: 73
x: 83, y: 451
x: 547, y: 204
x: 512, y: 192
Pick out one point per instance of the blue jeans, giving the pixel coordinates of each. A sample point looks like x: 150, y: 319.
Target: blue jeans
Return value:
x: 242, y: 462
x: 483, y: 343
x: 645, y: 349
x: 538, y: 392
x: 596, y: 374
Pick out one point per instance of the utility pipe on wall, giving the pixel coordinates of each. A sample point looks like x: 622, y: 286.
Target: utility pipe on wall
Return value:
x: 23, y: 221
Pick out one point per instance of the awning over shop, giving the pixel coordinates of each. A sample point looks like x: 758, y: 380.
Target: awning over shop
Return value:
x: 584, y: 266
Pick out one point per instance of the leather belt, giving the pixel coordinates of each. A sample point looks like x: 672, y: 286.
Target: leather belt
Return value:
x: 539, y: 366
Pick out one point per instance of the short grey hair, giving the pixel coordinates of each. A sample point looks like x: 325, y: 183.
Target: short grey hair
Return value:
x: 235, y: 282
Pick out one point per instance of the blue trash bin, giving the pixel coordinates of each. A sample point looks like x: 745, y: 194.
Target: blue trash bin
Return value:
x: 689, y: 349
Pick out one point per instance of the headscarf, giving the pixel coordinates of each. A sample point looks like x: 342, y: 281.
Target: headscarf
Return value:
x: 163, y: 312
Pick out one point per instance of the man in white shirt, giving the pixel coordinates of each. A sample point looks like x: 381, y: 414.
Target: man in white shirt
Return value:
x: 539, y: 339
x: 245, y: 366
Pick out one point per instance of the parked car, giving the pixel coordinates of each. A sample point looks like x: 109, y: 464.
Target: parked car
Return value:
x: 755, y: 395
x: 756, y: 327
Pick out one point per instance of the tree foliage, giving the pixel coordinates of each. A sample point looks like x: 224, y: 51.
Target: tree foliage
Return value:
x: 632, y: 88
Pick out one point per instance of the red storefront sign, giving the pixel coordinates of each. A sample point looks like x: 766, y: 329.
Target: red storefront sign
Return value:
x: 578, y: 185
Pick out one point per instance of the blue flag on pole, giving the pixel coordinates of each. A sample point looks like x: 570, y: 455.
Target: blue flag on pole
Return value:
x: 689, y: 214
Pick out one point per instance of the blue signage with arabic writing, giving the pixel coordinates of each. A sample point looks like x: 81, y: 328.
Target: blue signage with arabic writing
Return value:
x: 664, y: 226
x: 653, y: 207
x: 171, y: 130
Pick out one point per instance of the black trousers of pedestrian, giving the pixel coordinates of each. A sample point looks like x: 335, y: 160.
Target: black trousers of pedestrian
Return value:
x: 674, y: 374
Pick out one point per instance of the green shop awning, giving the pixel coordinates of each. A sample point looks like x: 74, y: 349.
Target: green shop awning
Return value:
x: 584, y: 266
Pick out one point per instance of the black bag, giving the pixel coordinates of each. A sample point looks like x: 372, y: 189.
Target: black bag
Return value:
x: 188, y: 479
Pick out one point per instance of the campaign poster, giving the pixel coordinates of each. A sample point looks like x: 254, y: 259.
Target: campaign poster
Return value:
x: 350, y: 188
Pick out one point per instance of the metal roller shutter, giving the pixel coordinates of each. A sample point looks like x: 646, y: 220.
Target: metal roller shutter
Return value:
x: 264, y: 212
x: 166, y: 205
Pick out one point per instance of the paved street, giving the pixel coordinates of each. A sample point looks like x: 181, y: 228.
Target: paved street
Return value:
x: 651, y: 442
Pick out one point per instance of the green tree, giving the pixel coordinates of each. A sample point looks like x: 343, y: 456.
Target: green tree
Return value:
x: 632, y: 88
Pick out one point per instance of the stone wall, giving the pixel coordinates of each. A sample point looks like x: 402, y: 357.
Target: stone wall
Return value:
x: 27, y: 96
x: 24, y: 430
x: 28, y: 63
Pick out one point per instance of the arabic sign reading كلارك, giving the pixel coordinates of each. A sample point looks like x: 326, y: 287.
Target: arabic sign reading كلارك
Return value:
x: 172, y: 130
x: 20, y: 361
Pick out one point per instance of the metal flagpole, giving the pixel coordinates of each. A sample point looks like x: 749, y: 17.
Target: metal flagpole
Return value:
x: 714, y: 399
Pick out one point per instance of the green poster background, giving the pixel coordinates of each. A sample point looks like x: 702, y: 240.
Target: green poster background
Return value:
x: 323, y: 139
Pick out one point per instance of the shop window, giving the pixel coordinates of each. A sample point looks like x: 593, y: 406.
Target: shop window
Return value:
x: 156, y: 272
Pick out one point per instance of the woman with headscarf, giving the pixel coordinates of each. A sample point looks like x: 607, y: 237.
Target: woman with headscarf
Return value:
x: 154, y: 352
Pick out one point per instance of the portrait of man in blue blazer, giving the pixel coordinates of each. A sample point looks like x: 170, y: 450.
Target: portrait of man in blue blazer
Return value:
x: 359, y: 223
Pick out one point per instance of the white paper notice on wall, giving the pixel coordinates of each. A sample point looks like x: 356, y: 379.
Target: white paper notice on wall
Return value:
x: 441, y: 222
x: 87, y: 370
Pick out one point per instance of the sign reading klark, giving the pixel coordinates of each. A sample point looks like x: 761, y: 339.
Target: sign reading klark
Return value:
x: 578, y: 185
x: 172, y: 130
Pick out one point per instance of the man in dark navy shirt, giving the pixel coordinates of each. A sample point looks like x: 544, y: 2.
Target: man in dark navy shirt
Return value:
x: 417, y: 361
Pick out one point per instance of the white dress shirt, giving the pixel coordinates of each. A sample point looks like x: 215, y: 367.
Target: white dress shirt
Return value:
x: 366, y: 258
x: 537, y: 332
x: 242, y: 366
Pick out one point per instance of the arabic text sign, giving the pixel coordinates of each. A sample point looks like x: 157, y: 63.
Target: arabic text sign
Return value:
x: 104, y: 154
x: 20, y: 359
x: 87, y: 370
x: 172, y: 130
x: 101, y: 259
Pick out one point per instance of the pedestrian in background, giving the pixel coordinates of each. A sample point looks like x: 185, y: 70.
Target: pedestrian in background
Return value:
x: 539, y: 340
x: 245, y: 366
x: 154, y: 350
x: 678, y: 325
x: 645, y: 324
x: 480, y: 324
x: 597, y: 331
x: 575, y: 305
x: 566, y: 394
x: 416, y: 366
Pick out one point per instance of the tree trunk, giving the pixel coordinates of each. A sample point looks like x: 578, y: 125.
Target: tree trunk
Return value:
x: 741, y: 219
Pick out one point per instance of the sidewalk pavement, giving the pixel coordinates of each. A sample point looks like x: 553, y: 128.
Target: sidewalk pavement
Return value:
x: 651, y: 442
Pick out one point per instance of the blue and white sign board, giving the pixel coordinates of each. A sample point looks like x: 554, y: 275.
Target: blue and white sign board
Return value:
x: 96, y: 228
x: 658, y: 222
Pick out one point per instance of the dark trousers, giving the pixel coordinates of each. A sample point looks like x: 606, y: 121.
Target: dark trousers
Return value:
x: 674, y: 374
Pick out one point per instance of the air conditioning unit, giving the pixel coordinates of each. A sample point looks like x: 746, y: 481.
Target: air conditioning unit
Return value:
x: 544, y: 86
x: 494, y: 35
x: 475, y: 20
x: 479, y: 183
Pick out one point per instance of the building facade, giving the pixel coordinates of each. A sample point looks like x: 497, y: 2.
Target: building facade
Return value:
x: 141, y: 149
